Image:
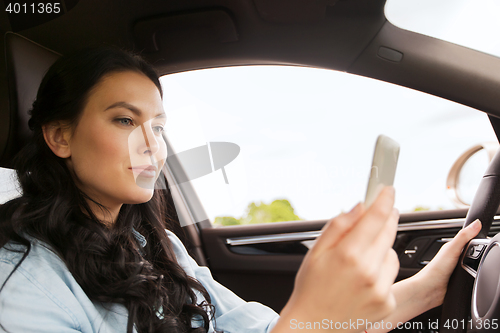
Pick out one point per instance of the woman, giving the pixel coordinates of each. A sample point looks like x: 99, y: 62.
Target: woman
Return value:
x: 84, y: 249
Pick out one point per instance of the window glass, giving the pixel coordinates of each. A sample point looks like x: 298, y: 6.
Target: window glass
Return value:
x: 470, y: 23
x: 306, y: 138
x: 10, y: 187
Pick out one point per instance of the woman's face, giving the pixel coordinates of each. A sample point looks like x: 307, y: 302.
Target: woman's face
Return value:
x: 117, y: 148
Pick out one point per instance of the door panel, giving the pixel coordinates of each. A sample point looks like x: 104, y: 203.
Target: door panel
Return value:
x: 265, y: 277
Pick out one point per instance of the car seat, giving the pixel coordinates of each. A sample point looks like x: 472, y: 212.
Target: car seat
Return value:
x: 26, y: 63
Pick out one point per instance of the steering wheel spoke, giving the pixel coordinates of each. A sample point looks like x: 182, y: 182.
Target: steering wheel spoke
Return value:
x: 471, y: 257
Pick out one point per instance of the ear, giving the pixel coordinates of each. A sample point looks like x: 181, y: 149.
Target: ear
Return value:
x: 57, y: 135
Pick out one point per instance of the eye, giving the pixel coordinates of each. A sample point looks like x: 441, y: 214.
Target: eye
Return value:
x: 125, y: 121
x: 158, y: 129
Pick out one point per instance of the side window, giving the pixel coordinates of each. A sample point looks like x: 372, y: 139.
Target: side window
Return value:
x: 304, y: 140
x: 10, y: 187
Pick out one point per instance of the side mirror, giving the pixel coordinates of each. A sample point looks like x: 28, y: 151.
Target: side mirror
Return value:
x: 467, y: 171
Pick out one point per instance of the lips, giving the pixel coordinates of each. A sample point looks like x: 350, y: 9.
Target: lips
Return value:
x: 148, y: 171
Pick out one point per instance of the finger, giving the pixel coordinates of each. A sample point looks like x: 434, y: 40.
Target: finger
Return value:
x: 385, y: 239
x: 453, y: 249
x: 381, y: 283
x: 337, y: 227
x: 373, y: 221
x: 374, y: 259
x: 388, y: 273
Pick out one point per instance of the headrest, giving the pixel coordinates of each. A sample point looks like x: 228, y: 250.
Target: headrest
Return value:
x: 27, y: 63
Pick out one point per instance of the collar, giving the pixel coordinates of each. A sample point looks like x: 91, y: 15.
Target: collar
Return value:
x: 140, y: 238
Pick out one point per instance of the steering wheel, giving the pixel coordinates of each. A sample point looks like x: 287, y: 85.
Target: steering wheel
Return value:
x: 473, y: 288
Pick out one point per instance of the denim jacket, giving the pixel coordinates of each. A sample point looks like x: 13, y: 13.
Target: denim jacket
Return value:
x: 43, y: 296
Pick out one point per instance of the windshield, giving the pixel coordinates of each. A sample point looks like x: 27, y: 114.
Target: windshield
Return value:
x: 470, y: 23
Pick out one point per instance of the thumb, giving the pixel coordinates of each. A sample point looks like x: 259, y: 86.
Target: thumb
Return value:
x: 453, y: 249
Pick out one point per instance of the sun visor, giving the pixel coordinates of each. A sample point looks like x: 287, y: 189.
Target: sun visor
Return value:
x: 177, y: 32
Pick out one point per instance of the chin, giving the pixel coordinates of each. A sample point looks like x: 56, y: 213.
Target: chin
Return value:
x: 140, y: 196
x: 142, y: 191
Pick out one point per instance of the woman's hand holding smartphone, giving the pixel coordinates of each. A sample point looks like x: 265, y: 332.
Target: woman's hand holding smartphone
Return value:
x: 348, y: 274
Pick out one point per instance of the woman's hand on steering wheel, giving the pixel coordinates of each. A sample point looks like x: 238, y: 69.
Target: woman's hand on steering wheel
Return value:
x: 435, y: 275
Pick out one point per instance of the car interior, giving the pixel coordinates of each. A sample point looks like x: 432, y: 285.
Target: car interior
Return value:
x: 259, y: 262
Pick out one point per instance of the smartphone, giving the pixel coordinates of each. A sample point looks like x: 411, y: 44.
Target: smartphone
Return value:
x: 383, y: 170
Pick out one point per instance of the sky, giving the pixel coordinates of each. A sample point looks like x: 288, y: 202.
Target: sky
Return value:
x: 471, y: 23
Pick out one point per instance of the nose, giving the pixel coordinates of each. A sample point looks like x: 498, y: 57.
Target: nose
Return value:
x: 151, y: 141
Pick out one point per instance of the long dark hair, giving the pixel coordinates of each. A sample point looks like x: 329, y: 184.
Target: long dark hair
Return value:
x: 106, y: 262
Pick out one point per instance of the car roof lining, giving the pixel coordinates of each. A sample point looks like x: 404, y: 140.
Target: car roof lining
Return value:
x: 434, y: 66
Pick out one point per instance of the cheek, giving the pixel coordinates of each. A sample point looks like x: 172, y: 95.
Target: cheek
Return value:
x: 100, y: 154
x: 109, y: 148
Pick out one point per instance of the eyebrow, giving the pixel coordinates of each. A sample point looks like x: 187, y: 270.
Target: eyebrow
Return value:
x: 132, y: 108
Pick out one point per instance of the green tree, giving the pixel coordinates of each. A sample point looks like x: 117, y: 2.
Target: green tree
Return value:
x: 425, y: 209
x: 421, y: 209
x: 276, y: 211
x: 226, y: 220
